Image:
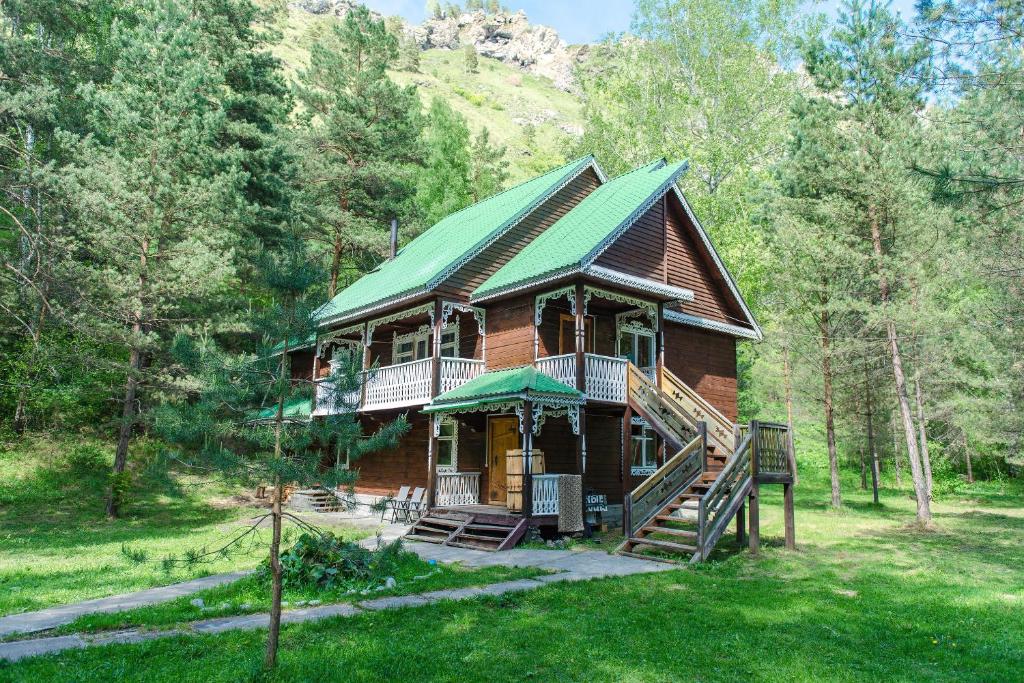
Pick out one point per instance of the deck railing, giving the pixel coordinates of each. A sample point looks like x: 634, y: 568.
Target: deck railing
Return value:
x: 667, y: 481
x: 545, y: 494
x: 328, y: 400
x: 457, y: 371
x: 458, y: 488
x: 393, y: 386
x: 396, y: 386
x: 606, y: 375
x: 718, y: 505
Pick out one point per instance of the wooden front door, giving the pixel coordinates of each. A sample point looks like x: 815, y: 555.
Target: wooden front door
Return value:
x: 502, y: 436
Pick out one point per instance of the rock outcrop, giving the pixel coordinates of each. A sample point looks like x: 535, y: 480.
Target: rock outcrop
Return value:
x: 508, y: 37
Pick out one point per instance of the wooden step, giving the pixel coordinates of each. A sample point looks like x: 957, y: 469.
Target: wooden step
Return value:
x: 669, y: 530
x: 667, y: 518
x: 665, y: 545
x: 649, y: 558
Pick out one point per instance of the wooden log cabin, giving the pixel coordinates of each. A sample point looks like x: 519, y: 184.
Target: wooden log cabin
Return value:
x: 583, y: 327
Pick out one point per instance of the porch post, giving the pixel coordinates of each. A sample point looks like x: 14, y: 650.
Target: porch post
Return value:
x: 435, y: 385
x: 581, y: 385
x: 367, y: 343
x: 431, y: 458
x: 316, y: 374
x: 527, y: 458
x: 624, y: 469
x: 659, y: 340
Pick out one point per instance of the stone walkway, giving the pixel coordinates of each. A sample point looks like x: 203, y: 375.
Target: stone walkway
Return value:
x: 30, y: 622
x: 570, y: 565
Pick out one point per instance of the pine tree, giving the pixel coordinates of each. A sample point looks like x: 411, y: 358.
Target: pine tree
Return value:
x: 360, y: 141
x: 470, y: 59
x: 444, y: 182
x: 158, y: 201
x: 246, y: 423
x: 489, y: 167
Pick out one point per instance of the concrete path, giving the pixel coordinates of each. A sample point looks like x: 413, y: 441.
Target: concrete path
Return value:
x: 30, y: 622
x: 570, y: 565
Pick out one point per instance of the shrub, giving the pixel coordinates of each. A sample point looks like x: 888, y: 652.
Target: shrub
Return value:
x: 325, y: 561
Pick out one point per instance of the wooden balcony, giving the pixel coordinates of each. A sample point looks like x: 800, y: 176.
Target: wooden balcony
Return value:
x: 397, y: 386
x: 605, y: 375
x: 462, y: 490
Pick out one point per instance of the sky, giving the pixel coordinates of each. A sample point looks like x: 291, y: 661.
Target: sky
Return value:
x: 582, y: 21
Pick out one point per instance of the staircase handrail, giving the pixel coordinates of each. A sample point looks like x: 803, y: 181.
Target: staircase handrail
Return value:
x: 713, y: 512
x: 638, y: 382
x: 687, y: 465
x: 720, y: 428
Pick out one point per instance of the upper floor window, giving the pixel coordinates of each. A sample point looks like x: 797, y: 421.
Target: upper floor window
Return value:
x: 416, y: 345
x: 567, y: 334
x: 637, y: 346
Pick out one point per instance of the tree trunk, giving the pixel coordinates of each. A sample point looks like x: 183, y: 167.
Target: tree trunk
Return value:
x: 787, y: 379
x: 830, y: 427
x: 863, y: 469
x: 332, y: 286
x: 131, y: 384
x: 270, y: 660
x: 896, y: 452
x: 967, y: 462
x: 924, y: 513
x: 872, y: 447
x: 923, y: 435
x: 127, y: 425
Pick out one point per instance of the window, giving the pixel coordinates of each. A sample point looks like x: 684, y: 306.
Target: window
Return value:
x: 644, y: 449
x: 416, y: 345
x: 447, y: 446
x: 410, y: 347
x: 567, y: 334
x: 450, y: 342
x: 638, y: 347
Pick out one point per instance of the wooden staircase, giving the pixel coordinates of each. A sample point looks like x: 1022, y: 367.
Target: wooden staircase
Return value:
x: 469, y: 530
x: 684, y: 507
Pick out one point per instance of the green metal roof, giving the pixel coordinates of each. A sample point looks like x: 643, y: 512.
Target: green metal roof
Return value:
x: 579, y: 236
x: 502, y: 385
x: 294, y: 409
x: 431, y: 257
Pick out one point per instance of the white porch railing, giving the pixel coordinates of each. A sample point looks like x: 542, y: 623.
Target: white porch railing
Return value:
x: 329, y: 401
x: 458, y: 488
x: 457, y: 371
x: 606, y: 376
x: 393, y: 386
x: 545, y: 494
x: 562, y: 368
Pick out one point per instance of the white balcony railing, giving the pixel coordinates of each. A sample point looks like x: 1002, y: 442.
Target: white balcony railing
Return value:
x: 329, y: 401
x: 606, y: 376
x: 395, y: 386
x: 458, y: 488
x: 457, y: 371
x: 545, y: 494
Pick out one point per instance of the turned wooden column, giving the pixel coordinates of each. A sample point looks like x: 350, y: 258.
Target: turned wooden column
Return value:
x: 527, y: 426
x: 435, y: 388
x: 581, y: 385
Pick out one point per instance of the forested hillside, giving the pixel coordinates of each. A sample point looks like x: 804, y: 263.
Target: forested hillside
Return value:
x: 180, y: 176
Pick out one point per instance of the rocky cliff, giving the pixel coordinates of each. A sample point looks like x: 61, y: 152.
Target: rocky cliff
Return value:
x: 510, y: 38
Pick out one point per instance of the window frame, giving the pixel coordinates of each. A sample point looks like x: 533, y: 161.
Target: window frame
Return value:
x: 454, y: 440
x: 589, y: 335
x: 648, y: 439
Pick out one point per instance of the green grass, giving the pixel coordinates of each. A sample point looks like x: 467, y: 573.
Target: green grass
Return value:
x: 412, y: 576
x: 867, y: 597
x: 57, y: 546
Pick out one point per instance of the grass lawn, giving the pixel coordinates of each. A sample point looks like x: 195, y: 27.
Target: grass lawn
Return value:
x: 867, y: 597
x: 57, y: 546
x: 252, y: 594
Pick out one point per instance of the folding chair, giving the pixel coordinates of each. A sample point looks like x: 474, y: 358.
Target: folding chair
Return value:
x: 415, y: 505
x: 395, y: 504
